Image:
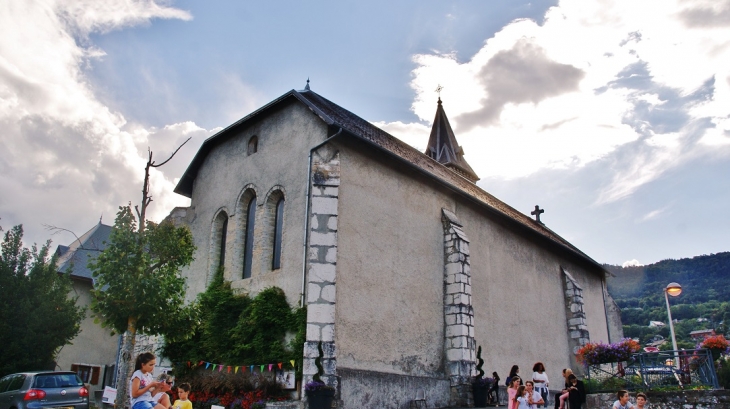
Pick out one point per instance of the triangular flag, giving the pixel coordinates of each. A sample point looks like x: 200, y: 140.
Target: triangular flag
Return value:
x: 235, y: 370
x: 215, y: 366
x: 270, y: 365
x: 262, y: 368
x: 200, y: 363
x: 229, y: 369
x: 251, y: 368
x: 207, y: 364
x: 292, y: 363
x: 279, y: 365
x: 188, y: 364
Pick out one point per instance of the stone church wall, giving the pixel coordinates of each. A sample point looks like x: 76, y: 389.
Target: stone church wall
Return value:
x: 390, y: 301
x: 224, y: 184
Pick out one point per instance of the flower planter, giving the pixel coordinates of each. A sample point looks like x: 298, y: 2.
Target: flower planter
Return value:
x: 716, y: 352
x: 321, y: 399
x: 480, y: 395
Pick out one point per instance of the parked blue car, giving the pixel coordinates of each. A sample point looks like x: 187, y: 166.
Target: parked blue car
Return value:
x: 43, y: 390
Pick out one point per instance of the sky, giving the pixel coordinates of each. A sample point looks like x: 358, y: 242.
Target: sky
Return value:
x: 612, y: 115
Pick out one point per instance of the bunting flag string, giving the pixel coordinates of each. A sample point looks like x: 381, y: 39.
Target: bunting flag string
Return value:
x: 219, y: 367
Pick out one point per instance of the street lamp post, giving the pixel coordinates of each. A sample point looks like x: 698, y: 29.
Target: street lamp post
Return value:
x: 674, y: 290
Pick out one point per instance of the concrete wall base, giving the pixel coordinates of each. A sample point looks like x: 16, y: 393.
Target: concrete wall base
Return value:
x: 362, y: 389
x: 710, y: 399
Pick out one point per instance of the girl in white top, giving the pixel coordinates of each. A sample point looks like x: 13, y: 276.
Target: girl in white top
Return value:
x: 540, y: 378
x: 141, y: 385
x: 521, y: 401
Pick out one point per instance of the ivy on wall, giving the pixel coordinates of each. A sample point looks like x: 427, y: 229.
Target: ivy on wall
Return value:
x: 240, y: 330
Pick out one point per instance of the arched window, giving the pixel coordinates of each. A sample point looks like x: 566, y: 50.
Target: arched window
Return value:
x: 278, y: 224
x: 248, y: 238
x: 217, y: 250
x: 222, y: 254
x: 253, y: 145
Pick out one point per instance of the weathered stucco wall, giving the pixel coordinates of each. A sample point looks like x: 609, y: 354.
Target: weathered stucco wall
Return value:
x: 390, y: 280
x: 390, y: 271
x: 280, y: 164
x: 79, y: 351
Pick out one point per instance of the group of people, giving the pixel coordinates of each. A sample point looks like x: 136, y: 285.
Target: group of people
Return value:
x: 146, y: 393
x: 533, y: 393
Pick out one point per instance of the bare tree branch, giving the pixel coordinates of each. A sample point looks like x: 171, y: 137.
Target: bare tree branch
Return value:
x: 173, y: 154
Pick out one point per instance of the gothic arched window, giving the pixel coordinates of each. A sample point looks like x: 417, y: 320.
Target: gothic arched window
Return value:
x: 248, y: 238
x: 278, y: 228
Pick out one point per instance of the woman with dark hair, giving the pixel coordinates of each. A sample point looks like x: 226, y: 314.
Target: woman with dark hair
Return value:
x: 494, y: 389
x: 512, y: 391
x: 577, y: 392
x: 513, y: 372
x: 540, y: 378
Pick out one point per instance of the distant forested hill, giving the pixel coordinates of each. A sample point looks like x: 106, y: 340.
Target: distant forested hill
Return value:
x: 705, y: 282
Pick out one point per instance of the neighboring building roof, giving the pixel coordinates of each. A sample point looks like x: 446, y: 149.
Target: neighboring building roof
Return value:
x: 338, y: 117
x: 701, y: 333
x: 81, y: 251
x: 443, y: 148
x: 656, y: 324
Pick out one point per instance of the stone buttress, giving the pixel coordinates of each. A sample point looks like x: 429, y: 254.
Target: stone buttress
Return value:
x: 321, y: 274
x: 459, y: 345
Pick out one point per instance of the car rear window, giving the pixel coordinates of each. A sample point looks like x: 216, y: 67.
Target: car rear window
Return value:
x: 16, y: 382
x: 57, y: 380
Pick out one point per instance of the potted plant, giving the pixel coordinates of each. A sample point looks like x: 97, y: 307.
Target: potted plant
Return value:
x: 480, y: 385
x: 319, y: 394
x: 717, y: 344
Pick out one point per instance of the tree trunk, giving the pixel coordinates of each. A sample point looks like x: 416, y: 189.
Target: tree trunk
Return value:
x: 126, y: 368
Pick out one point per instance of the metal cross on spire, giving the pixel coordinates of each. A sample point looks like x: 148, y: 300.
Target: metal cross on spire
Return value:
x: 537, y: 213
x: 438, y: 90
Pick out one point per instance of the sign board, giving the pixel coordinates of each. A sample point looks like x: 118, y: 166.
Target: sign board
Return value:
x: 110, y: 395
x: 286, y: 379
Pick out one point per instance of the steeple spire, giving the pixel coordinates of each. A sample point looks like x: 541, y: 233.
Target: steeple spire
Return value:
x: 442, y: 146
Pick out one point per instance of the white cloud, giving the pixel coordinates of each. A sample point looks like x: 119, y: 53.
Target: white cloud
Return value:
x: 638, y: 85
x: 631, y: 263
x: 61, y: 148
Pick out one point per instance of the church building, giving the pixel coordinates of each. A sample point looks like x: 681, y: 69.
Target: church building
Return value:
x: 405, y: 265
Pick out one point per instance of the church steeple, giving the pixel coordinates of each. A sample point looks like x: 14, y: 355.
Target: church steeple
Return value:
x: 442, y: 146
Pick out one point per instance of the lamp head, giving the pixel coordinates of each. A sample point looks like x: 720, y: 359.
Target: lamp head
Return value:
x: 673, y: 289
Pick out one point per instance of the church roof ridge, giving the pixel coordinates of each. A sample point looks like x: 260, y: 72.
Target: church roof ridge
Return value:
x: 335, y: 115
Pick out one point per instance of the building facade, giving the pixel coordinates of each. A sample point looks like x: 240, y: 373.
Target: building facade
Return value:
x: 404, y: 263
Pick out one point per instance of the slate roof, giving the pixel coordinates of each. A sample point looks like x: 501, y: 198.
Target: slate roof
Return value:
x: 356, y: 127
x: 81, y: 251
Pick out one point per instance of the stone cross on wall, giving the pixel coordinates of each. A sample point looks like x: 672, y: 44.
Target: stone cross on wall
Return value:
x: 537, y: 213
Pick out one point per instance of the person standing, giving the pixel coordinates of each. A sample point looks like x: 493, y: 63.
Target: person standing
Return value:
x: 540, y: 378
x: 520, y: 400
x: 512, y: 392
x: 515, y: 371
x: 494, y: 388
x: 533, y: 397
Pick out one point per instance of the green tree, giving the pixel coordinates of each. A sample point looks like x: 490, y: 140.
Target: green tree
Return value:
x: 37, y: 316
x: 138, y: 286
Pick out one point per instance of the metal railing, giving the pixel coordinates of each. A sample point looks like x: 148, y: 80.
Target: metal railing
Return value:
x: 651, y: 370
